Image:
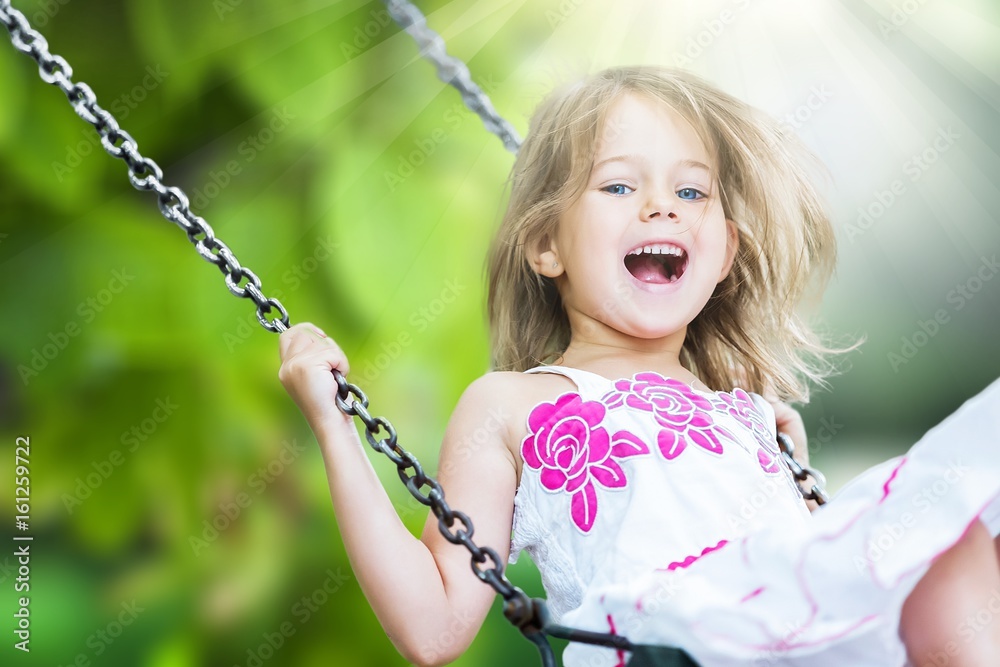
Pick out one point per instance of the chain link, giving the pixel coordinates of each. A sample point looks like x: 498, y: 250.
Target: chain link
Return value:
x: 452, y: 71
x: 801, y: 472
x: 174, y: 205
x: 352, y: 401
x: 143, y: 173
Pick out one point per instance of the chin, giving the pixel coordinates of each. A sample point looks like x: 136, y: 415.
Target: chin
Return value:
x: 655, y: 330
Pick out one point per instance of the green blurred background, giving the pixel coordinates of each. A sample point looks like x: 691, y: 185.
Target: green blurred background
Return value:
x: 334, y: 163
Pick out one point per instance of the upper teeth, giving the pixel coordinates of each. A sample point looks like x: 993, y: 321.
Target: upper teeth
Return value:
x: 658, y: 249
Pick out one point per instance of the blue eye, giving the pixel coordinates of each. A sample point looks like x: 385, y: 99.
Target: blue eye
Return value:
x: 690, y: 194
x: 617, y: 189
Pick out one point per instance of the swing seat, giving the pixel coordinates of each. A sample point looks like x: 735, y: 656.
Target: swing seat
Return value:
x: 660, y: 656
x: 531, y: 616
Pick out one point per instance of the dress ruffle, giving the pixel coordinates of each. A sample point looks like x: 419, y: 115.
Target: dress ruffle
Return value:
x: 827, y: 593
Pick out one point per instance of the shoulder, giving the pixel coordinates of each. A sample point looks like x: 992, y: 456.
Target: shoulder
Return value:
x: 508, y: 396
x: 509, y: 386
x: 495, y: 408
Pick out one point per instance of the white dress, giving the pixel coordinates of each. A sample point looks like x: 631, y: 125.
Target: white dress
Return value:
x: 666, y: 514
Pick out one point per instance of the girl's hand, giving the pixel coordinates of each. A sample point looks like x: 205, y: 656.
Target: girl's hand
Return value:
x: 308, y: 358
x: 789, y: 422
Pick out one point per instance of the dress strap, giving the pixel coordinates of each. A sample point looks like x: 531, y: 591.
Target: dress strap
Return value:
x: 588, y: 384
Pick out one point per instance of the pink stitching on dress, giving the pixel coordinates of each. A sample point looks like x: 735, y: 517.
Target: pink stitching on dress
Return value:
x: 620, y: 652
x: 753, y: 594
x: 871, y: 564
x: 690, y: 559
x: 814, y: 606
x: 885, y: 487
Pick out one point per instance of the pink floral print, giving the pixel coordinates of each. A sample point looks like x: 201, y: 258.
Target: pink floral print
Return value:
x: 742, y: 408
x: 574, y: 453
x: 683, y: 414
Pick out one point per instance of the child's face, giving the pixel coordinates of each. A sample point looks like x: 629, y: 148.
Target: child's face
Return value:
x: 644, y: 246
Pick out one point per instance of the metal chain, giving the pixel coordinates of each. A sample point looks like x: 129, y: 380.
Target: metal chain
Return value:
x: 452, y: 71
x: 143, y: 173
x: 801, y: 472
x: 382, y: 437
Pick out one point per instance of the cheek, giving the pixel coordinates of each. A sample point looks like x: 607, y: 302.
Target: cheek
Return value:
x: 715, y: 243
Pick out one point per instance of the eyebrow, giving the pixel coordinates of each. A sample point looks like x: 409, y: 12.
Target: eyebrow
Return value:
x: 638, y: 158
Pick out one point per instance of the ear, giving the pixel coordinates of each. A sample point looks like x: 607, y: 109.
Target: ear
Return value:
x: 543, y: 257
x: 732, y: 245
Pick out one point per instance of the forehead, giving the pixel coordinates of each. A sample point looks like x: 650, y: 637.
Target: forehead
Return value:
x: 639, y: 125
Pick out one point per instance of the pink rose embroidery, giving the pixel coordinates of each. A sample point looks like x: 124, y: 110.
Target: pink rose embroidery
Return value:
x: 572, y: 450
x: 683, y: 414
x: 768, y: 462
x: 742, y: 408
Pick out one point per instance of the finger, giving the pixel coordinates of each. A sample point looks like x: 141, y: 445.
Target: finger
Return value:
x: 786, y: 414
x: 299, y: 337
x: 306, y: 349
x: 329, y: 356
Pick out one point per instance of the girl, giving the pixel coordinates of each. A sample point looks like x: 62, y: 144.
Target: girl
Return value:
x: 658, y: 238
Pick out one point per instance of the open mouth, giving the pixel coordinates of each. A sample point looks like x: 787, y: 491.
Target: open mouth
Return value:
x: 658, y: 263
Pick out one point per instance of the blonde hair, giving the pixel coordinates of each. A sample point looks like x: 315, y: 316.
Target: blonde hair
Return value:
x: 748, y: 334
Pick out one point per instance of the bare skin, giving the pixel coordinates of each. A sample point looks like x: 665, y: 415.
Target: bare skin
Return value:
x: 651, y: 182
x: 421, y: 589
x: 960, y: 585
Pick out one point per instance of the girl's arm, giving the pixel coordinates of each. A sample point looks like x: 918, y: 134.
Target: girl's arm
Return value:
x: 423, y: 591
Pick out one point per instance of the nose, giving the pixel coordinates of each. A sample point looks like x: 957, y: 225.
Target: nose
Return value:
x: 658, y: 207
